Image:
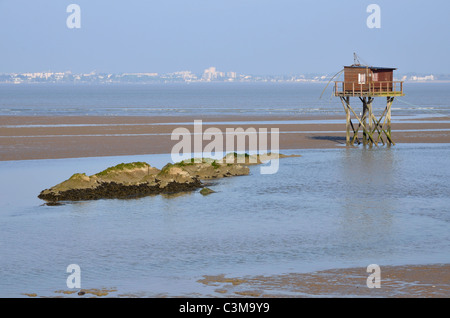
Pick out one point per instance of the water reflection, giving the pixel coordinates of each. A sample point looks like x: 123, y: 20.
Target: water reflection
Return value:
x: 367, y: 210
x: 176, y: 195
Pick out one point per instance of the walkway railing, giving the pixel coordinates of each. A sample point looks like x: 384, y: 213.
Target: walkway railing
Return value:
x: 391, y: 88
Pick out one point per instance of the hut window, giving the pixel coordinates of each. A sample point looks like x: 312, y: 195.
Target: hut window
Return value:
x: 375, y: 77
x: 361, y: 78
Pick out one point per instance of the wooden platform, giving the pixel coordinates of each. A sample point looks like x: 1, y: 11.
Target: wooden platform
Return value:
x: 378, y: 89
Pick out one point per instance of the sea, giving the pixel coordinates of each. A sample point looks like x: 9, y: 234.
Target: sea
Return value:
x: 205, y: 99
x: 327, y: 209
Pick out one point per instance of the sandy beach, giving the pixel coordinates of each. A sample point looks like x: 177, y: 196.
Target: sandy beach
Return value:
x: 38, y: 137
x: 413, y: 281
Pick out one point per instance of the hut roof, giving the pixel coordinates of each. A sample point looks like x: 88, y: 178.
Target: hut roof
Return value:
x: 372, y: 67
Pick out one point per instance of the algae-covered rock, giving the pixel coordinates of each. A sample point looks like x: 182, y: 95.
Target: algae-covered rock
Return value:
x: 130, y: 180
x: 206, y: 191
x: 127, y: 173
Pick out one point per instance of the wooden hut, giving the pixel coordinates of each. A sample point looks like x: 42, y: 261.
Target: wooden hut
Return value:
x: 366, y: 83
x: 374, y: 81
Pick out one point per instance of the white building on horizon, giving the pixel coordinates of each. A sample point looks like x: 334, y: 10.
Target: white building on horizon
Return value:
x: 211, y: 74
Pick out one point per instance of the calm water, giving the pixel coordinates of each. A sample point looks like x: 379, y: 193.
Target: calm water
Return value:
x: 326, y: 209
x: 206, y: 99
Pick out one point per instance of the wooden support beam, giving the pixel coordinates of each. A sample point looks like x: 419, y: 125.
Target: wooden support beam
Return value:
x: 346, y: 104
x: 387, y: 133
x: 360, y: 121
x: 355, y: 134
x: 390, y: 100
x: 349, y: 122
x: 387, y: 121
x: 368, y: 122
x: 374, y: 119
x: 363, y: 119
x: 345, y: 101
x: 376, y: 125
x: 382, y: 126
x: 370, y: 115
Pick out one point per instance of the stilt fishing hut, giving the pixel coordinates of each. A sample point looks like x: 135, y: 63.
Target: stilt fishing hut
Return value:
x: 366, y: 83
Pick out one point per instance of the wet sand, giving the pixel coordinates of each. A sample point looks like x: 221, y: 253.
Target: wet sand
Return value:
x: 406, y: 281
x: 37, y: 137
x: 412, y: 281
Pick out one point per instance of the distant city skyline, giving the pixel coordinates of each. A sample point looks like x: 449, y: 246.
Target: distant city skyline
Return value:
x: 210, y: 74
x: 246, y: 36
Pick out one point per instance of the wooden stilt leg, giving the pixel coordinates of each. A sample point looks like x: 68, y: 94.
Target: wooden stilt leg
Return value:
x: 349, y: 121
x: 364, y: 120
x: 388, y: 116
x: 346, y: 102
x: 370, y: 115
x: 367, y: 116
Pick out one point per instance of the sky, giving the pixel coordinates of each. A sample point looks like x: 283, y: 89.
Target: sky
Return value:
x: 265, y: 37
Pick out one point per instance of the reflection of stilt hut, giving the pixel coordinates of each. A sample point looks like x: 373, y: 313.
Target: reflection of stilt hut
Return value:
x: 366, y: 83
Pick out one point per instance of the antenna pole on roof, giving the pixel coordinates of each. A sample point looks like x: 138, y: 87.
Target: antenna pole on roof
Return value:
x: 356, y: 59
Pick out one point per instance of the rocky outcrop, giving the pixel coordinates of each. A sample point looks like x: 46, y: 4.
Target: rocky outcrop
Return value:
x: 138, y: 179
x: 123, y: 181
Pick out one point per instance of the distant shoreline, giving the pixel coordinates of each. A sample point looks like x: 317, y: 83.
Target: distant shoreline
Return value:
x: 204, y: 82
x: 52, y: 137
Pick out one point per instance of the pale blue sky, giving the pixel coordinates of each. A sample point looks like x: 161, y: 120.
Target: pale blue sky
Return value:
x: 246, y: 36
